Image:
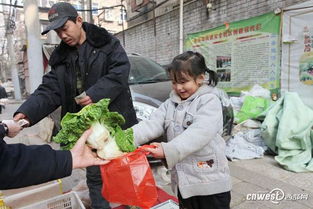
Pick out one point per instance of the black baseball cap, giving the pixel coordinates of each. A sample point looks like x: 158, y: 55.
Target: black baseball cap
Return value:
x: 58, y: 15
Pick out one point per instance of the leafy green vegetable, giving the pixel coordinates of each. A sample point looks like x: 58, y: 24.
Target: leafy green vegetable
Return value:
x: 74, y: 124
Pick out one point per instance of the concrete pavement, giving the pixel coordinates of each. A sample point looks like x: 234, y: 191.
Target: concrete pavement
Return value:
x: 254, y: 178
x: 257, y: 183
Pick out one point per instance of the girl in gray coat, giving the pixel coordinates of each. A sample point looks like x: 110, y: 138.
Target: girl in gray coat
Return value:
x: 193, y: 122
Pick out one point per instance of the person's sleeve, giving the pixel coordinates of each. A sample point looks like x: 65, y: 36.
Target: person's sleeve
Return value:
x: 23, y: 165
x: 153, y: 128
x: 116, y: 80
x: 45, y: 99
x: 2, y: 132
x: 5, y: 95
x: 207, y: 123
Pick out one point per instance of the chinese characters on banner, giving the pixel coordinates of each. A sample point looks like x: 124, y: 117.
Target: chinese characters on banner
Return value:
x: 242, y: 53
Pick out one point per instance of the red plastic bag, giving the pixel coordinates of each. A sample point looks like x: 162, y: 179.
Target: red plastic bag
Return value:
x: 128, y: 180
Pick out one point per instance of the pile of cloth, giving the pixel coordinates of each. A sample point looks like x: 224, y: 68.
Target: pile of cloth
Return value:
x: 287, y: 131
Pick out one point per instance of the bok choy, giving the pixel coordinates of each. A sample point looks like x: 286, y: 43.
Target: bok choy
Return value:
x: 107, y: 135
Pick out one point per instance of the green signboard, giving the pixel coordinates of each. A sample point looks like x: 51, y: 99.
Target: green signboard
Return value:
x: 243, y: 53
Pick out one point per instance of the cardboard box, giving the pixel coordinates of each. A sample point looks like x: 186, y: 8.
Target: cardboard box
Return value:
x: 65, y: 201
x: 16, y: 198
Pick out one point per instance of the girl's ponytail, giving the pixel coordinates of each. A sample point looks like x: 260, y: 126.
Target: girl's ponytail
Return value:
x: 213, y: 78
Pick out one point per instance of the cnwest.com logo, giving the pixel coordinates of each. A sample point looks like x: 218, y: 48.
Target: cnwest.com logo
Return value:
x: 275, y: 196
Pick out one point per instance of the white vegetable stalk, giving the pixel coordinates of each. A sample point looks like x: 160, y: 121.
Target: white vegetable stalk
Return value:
x: 110, y: 150
x: 98, y: 136
x: 105, y: 144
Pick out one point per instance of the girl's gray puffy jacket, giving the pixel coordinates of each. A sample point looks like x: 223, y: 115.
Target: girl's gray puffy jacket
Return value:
x: 195, y: 151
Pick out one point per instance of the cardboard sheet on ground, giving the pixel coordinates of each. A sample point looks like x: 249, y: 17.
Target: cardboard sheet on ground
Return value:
x: 16, y: 198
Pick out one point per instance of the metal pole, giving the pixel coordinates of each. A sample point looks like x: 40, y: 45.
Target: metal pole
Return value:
x: 154, y: 21
x: 34, y: 45
x: 3, y: 63
x: 123, y: 30
x: 181, y: 25
x: 15, y: 79
x: 123, y: 15
x: 90, y: 11
x: 83, y: 7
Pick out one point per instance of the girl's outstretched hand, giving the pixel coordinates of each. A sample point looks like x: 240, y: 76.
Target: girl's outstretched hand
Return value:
x: 157, y: 151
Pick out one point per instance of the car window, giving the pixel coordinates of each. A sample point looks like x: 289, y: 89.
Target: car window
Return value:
x: 144, y: 70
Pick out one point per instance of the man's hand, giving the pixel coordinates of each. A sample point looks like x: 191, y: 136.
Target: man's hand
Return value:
x: 84, y: 101
x: 20, y: 116
x: 82, y: 154
x: 13, y: 127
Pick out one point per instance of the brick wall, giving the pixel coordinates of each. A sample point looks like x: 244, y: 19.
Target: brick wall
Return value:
x: 160, y: 41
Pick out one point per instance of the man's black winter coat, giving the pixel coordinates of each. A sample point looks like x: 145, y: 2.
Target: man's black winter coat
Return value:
x: 105, y: 76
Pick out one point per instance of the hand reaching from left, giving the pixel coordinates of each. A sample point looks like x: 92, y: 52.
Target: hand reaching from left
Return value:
x: 83, y: 156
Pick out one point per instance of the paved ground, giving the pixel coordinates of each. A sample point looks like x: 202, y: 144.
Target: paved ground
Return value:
x: 251, y: 179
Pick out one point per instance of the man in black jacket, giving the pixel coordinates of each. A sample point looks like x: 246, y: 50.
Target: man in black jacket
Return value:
x: 3, y: 93
x: 89, y: 64
x: 23, y: 165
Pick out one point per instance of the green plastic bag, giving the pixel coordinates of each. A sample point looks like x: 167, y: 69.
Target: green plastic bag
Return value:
x: 252, y: 108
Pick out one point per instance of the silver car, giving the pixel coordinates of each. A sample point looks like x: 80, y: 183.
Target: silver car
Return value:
x: 149, y: 85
